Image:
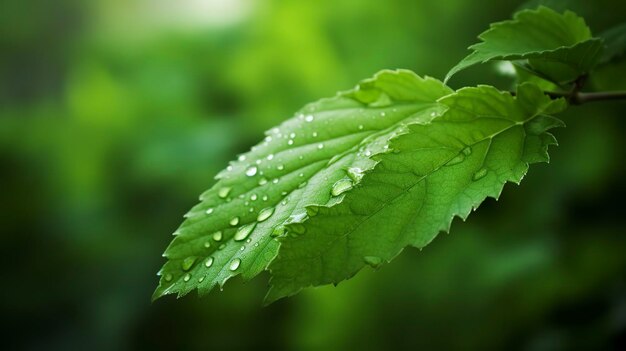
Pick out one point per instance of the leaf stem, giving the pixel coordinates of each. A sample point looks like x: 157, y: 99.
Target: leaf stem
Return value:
x: 579, y: 98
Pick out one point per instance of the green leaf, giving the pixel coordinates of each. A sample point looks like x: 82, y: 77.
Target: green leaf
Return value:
x: 437, y: 171
x: 615, y: 43
x: 558, y: 47
x: 313, y: 158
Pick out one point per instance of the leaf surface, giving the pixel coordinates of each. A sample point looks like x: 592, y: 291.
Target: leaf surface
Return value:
x: 436, y: 171
x: 313, y: 158
x: 558, y: 47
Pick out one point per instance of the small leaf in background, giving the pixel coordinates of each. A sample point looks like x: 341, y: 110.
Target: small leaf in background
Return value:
x: 558, y: 47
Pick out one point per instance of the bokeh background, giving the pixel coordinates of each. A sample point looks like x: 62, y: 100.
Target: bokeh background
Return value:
x: 115, y: 115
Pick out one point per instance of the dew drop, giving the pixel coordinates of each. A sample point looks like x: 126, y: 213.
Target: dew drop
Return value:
x: 209, y: 210
x: 341, y: 186
x: 168, y: 277
x: 355, y: 173
x: 234, y: 221
x: 433, y: 114
x: 217, y: 236
x: 302, y: 185
x: 229, y: 168
x: 368, y: 153
x: 270, y: 157
x: 223, y: 192
x: 251, y: 171
x: 207, y: 244
x: 188, y: 263
x: 314, y: 134
x: 187, y: 277
x: 209, y: 262
x: 298, y: 217
x: 234, y: 264
x: 275, y: 180
x: 283, y: 193
x: 280, y: 167
x: 320, y: 146
x: 221, y: 247
x: 480, y: 173
x: 243, y: 247
x: 258, y: 162
x: 200, y: 280
x: 382, y: 114
x: 456, y: 160
x: 292, y: 135
x: 268, y: 138
x: 251, y: 209
x: 265, y: 214
x: 265, y: 197
x: 373, y: 261
x: 278, y: 231
x: 309, y: 118
x: 262, y: 181
x: 289, y: 142
x: 241, y: 158
x: 243, y: 231
x: 297, y: 228
x: 312, y: 211
x: 360, y: 127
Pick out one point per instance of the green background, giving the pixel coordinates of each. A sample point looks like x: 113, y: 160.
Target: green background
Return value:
x: 115, y: 115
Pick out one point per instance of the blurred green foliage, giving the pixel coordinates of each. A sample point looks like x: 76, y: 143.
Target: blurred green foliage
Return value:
x: 115, y: 115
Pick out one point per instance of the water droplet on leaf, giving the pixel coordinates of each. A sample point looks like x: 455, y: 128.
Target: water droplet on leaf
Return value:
x: 341, y: 186
x: 480, y: 174
x: 234, y: 264
x: 355, y: 173
x: 456, y: 160
x: 251, y: 171
x: 265, y: 214
x: 243, y: 231
x: 188, y: 263
x: 373, y: 261
x: 223, y: 192
x: 217, y: 236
